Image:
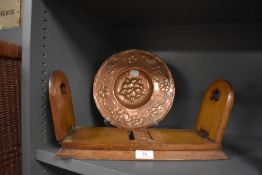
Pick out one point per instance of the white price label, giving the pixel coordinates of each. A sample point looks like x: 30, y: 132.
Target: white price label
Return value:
x: 145, y: 154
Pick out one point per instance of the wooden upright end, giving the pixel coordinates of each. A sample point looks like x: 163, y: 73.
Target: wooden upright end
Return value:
x: 215, y: 110
x: 61, y: 105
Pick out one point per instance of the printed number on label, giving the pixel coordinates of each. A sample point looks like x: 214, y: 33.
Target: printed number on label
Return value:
x: 144, y: 154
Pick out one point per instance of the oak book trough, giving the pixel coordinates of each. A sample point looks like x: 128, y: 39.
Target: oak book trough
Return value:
x: 140, y: 143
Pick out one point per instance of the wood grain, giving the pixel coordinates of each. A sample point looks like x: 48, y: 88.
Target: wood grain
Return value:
x: 9, y: 50
x: 102, y: 143
x: 61, y: 105
x: 215, y: 109
x: 155, y: 139
x: 130, y: 155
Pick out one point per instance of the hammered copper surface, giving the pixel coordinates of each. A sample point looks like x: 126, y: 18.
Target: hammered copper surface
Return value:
x: 133, y: 89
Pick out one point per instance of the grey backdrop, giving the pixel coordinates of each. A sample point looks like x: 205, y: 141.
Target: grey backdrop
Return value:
x: 196, y: 55
x: 199, y: 54
x: 13, y: 35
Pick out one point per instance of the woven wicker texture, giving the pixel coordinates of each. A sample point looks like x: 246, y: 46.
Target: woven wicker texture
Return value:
x: 10, y: 116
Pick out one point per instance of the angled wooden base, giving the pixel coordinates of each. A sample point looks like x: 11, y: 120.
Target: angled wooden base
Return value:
x: 131, y: 155
x: 121, y: 144
x: 101, y: 138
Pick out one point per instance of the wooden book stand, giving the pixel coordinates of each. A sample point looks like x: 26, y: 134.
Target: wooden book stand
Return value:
x: 103, y: 143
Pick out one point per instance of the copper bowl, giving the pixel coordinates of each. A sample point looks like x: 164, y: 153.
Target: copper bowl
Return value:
x: 133, y: 89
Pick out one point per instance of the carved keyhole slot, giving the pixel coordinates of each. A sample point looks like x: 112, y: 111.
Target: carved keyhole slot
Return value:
x: 131, y: 135
x: 215, y: 95
x: 63, y: 88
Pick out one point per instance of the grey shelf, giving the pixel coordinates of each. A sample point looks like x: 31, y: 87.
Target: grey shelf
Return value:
x: 245, y: 158
x: 47, y: 155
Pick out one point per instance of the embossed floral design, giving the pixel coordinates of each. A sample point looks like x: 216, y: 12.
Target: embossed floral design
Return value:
x: 131, y: 60
x: 103, y: 92
x: 122, y: 116
x: 112, y: 67
x: 164, y: 85
x: 132, y: 89
x: 142, y: 99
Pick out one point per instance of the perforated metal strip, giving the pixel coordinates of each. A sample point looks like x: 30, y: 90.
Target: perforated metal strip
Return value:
x: 44, y: 69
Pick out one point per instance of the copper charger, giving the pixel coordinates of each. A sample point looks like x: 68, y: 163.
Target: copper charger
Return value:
x: 133, y: 89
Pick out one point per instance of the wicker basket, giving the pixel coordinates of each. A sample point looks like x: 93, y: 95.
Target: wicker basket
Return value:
x: 10, y: 109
